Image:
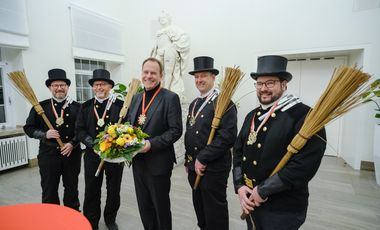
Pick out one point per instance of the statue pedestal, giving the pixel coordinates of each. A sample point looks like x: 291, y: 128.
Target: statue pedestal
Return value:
x: 179, y: 146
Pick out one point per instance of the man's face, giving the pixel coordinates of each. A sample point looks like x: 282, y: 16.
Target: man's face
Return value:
x: 269, y: 89
x: 204, y: 81
x: 101, y: 89
x: 59, y: 89
x: 151, y: 75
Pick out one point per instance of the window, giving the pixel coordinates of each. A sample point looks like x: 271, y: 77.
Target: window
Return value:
x: 83, y: 72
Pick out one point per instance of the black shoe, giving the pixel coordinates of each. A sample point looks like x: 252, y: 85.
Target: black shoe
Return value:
x: 112, y: 226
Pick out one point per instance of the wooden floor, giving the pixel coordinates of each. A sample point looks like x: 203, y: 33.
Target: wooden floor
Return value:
x: 340, y: 198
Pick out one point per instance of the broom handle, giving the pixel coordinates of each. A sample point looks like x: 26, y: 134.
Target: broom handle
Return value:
x: 210, y: 137
x: 47, y: 122
x: 279, y: 166
x: 100, y: 166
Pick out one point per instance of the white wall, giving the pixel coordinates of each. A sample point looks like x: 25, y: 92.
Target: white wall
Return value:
x: 233, y: 32
x: 236, y: 32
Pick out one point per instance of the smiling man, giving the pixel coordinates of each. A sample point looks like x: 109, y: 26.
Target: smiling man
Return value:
x: 279, y: 201
x: 54, y: 162
x: 158, y: 112
x: 95, y: 114
x: 211, y: 161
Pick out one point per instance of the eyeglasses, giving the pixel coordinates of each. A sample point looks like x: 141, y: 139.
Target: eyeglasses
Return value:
x: 269, y: 84
x: 56, y: 86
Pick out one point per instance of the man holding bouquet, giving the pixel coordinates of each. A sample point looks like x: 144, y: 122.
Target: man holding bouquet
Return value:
x: 95, y: 114
x: 158, y: 112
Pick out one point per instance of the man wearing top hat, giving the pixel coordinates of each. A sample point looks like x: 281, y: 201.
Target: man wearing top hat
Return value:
x: 213, y: 161
x: 54, y: 161
x: 279, y: 201
x: 95, y: 114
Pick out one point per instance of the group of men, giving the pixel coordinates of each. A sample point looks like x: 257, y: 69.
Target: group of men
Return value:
x: 270, y: 202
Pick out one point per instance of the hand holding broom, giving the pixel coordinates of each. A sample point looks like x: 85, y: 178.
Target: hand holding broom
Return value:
x: 228, y: 87
x: 345, y: 91
x: 134, y: 86
x: 19, y: 80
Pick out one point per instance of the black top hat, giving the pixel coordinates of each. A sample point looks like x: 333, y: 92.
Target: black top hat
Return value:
x: 204, y: 64
x: 101, y: 75
x: 272, y: 65
x: 57, y: 75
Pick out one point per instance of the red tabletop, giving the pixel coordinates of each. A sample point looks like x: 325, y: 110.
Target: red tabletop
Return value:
x: 41, y: 217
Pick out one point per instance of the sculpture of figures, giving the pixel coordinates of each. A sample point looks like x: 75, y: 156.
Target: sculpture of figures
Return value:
x: 172, y: 49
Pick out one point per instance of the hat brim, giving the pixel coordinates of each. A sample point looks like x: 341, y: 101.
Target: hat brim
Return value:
x: 49, y: 81
x: 214, y: 71
x: 282, y: 75
x: 91, y: 81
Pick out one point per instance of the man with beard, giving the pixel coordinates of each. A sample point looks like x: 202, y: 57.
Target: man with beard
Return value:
x: 54, y: 161
x: 213, y: 161
x: 95, y: 114
x: 158, y: 112
x: 279, y: 201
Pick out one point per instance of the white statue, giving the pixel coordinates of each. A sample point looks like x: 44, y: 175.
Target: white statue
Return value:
x: 172, y: 49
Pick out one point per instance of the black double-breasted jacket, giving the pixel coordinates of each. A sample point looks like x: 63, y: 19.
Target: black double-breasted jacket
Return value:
x: 217, y: 155
x: 252, y: 164
x: 87, y: 128
x: 35, y: 126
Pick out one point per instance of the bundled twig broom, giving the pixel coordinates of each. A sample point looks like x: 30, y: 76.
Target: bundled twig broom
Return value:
x: 345, y: 91
x: 228, y: 87
x: 20, y: 81
x: 134, y: 86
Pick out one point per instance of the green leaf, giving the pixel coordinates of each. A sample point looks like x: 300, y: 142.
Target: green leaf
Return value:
x: 377, y: 115
x: 377, y: 93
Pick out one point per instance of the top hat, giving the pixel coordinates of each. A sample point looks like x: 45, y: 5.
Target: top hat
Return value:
x: 101, y: 75
x: 57, y: 75
x: 272, y: 65
x: 204, y: 64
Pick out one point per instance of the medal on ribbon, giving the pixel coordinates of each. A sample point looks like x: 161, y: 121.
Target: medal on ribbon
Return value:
x: 252, y: 136
x: 193, y: 116
x: 101, y: 120
x: 142, y: 117
x: 59, y: 119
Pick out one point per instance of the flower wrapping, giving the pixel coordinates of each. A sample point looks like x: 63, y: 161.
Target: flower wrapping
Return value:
x: 119, y: 142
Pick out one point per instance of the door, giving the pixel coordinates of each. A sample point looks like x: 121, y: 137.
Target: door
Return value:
x: 310, y: 79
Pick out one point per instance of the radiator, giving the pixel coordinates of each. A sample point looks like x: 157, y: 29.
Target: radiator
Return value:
x: 13, y: 152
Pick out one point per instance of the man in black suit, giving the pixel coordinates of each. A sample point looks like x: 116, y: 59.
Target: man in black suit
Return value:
x: 95, y: 114
x: 279, y: 201
x: 53, y: 161
x: 212, y: 161
x: 158, y: 112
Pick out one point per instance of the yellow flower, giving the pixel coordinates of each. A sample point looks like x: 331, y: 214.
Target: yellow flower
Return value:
x: 120, y: 141
x: 112, y: 130
x: 128, y: 138
x: 104, y: 146
x: 130, y: 130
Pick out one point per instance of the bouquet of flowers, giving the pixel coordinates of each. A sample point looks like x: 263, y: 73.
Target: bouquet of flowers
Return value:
x: 119, y: 142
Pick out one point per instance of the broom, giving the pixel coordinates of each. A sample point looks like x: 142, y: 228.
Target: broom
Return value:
x: 228, y: 87
x: 345, y: 91
x: 19, y: 80
x: 134, y: 86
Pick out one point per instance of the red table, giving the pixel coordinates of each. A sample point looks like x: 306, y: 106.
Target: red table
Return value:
x: 41, y: 217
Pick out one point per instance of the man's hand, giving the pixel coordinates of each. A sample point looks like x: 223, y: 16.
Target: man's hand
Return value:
x: 246, y: 204
x: 67, y: 149
x: 199, y: 167
x: 146, y: 147
x: 52, y: 133
x: 256, y: 198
